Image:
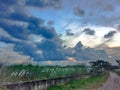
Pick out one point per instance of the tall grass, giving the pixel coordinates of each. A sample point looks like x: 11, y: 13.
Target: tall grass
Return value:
x: 29, y: 72
x: 91, y: 83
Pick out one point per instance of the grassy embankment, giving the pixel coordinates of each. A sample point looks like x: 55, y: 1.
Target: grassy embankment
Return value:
x: 84, y: 84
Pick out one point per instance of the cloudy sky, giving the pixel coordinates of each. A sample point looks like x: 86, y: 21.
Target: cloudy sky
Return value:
x: 58, y: 30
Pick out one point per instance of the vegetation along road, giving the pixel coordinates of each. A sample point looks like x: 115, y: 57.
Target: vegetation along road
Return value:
x: 95, y: 83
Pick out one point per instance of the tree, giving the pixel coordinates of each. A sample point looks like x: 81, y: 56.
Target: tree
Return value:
x: 118, y: 61
x: 100, y: 65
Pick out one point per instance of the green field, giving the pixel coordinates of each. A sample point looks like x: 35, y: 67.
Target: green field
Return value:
x: 84, y: 84
x: 18, y: 73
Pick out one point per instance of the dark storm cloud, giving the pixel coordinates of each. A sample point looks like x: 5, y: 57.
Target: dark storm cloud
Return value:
x: 11, y: 2
x: 89, y: 31
x: 47, y: 45
x: 19, y: 7
x: 79, y: 12
x: 44, y: 3
x: 35, y: 3
x: 6, y: 40
x: 19, y: 16
x: 50, y: 48
x: 15, y: 31
x: 69, y: 32
x: 81, y: 53
x: 110, y: 34
x: 24, y: 45
x: 4, y: 4
x: 25, y: 18
x: 79, y: 45
x: 24, y: 48
x: 47, y: 32
x: 35, y: 26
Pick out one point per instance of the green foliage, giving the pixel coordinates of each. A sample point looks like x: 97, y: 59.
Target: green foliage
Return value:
x: 118, y: 61
x: 31, y: 72
x: 100, y: 65
x: 83, y: 84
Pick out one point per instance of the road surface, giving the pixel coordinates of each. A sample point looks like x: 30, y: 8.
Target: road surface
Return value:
x: 113, y: 83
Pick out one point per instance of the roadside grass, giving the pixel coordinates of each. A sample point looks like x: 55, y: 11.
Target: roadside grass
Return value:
x: 84, y: 84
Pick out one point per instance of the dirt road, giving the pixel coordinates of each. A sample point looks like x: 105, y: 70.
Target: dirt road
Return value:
x: 113, y: 83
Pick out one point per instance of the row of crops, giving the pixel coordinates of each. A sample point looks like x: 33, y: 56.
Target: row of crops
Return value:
x: 17, y: 73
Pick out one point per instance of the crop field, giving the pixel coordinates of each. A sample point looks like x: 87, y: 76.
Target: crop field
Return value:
x: 17, y: 73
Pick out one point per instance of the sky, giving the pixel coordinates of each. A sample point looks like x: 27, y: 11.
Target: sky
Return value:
x: 59, y: 30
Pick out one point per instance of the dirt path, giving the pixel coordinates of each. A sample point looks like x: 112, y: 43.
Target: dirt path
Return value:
x: 113, y: 83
